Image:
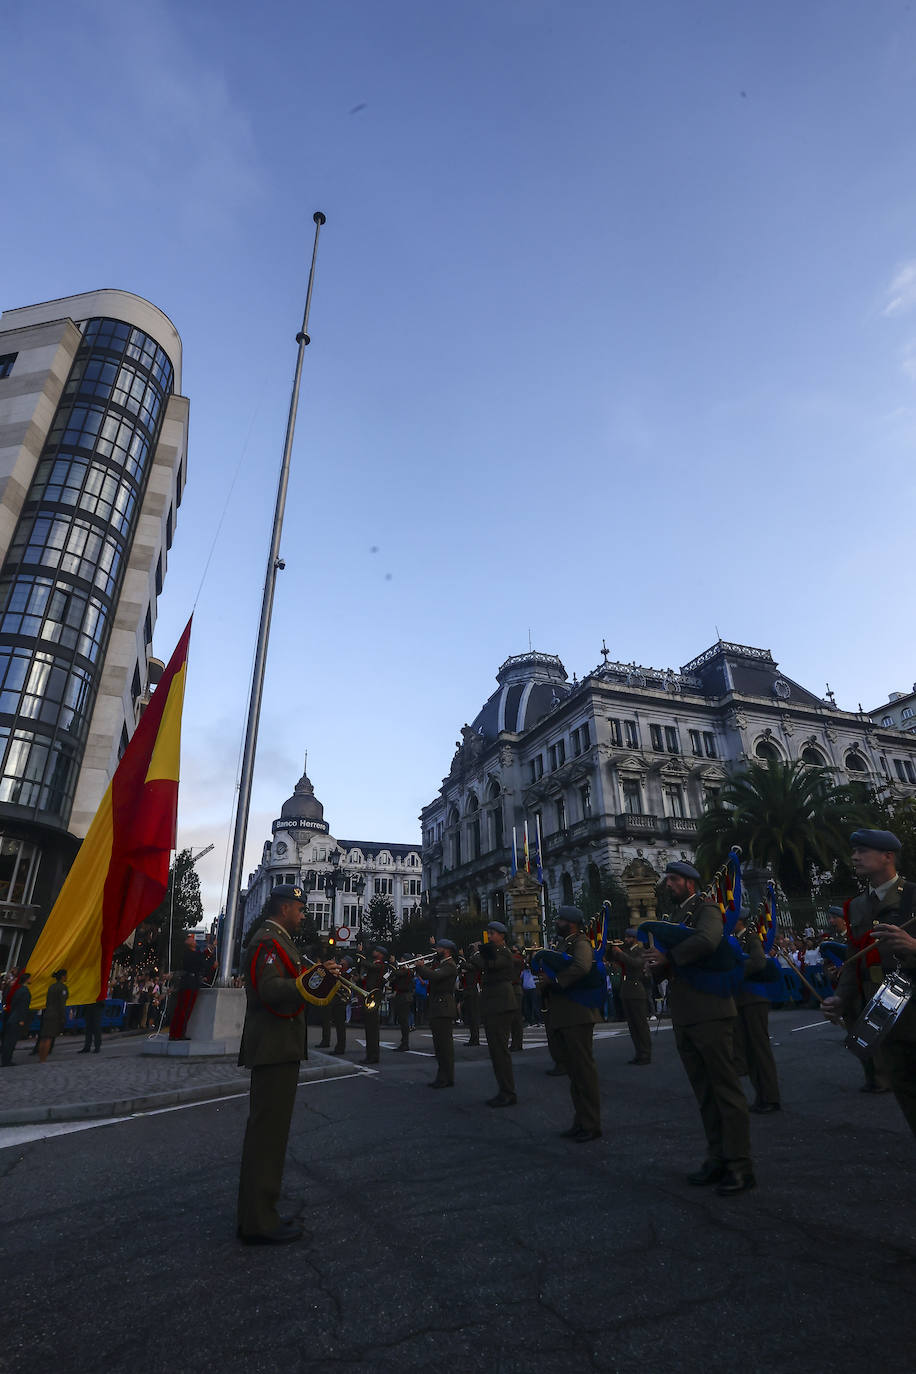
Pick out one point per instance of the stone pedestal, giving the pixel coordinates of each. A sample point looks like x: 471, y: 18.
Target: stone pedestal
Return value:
x: 215, y: 1027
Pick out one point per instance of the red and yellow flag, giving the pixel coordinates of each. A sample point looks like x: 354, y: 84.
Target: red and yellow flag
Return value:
x: 121, y: 872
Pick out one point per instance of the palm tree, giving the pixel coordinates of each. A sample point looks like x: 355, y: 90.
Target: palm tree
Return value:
x: 788, y: 817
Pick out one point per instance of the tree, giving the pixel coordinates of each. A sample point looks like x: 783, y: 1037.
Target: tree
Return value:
x: 378, y: 921
x: 601, y: 886
x: 151, y: 951
x: 789, y: 818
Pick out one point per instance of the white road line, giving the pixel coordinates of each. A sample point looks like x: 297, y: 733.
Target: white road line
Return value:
x: 810, y: 1025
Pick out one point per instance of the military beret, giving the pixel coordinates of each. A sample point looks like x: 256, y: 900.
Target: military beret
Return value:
x: 59, y: 973
x: 446, y: 944
x: 683, y: 870
x: 570, y: 913
x: 380, y: 949
x: 836, y: 911
x: 498, y: 928
x: 288, y: 892
x: 875, y: 839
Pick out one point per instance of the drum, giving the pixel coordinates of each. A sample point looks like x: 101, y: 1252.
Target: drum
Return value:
x: 880, y: 1016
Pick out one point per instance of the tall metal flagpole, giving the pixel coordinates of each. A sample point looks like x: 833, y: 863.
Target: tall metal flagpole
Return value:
x: 274, y: 565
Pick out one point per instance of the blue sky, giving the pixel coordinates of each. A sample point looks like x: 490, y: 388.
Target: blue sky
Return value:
x: 614, y: 335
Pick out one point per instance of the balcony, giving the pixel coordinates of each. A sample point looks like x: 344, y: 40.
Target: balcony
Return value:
x: 591, y: 828
x: 489, y: 863
x: 681, y: 826
x: 638, y: 823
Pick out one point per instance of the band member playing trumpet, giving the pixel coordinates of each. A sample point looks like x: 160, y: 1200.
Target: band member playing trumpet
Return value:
x: 875, y: 921
x: 273, y: 1043
x: 497, y: 1009
x: 441, y: 976
x: 373, y: 980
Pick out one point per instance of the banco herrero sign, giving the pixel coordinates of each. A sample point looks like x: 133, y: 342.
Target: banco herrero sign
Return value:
x: 300, y: 823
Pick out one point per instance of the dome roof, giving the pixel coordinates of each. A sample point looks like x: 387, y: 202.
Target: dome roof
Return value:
x: 530, y: 686
x: 303, y: 804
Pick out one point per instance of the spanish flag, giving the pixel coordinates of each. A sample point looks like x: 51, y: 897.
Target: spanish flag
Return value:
x: 121, y: 872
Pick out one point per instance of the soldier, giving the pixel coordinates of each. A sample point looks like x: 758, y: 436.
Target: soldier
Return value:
x: 634, y: 995
x: 518, y: 1024
x: 373, y: 980
x: 339, y: 1009
x: 16, y: 1023
x: 753, y: 1051
x: 704, y: 1029
x: 402, y: 981
x: 573, y: 1025
x: 875, y: 921
x: 54, y: 1014
x: 497, y: 1008
x: 470, y: 1000
x: 273, y: 1044
x: 441, y: 976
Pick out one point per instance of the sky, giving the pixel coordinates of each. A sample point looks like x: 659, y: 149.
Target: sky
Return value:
x: 613, y: 338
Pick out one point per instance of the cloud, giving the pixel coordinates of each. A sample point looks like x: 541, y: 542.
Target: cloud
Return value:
x: 901, y: 294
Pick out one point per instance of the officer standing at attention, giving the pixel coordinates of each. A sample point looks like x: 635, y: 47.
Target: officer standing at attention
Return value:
x: 573, y: 1025
x: 704, y: 1029
x: 634, y: 995
x: 442, y: 976
x: 273, y: 1044
x: 878, y: 915
x: 497, y: 1009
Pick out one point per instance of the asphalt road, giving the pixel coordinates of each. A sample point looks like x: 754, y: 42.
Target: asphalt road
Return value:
x: 444, y: 1235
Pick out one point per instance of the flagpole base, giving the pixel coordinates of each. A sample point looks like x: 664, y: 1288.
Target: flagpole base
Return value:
x: 214, y: 1030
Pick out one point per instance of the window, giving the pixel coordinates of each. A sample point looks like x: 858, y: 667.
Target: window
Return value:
x: 632, y: 801
x: 910, y: 771
x: 695, y: 747
x: 813, y: 756
x: 580, y: 740
x: 6, y: 363
x: 655, y: 735
x: 615, y: 731
x: 585, y: 799
x: 907, y: 713
x: 561, y: 813
x: 18, y: 868
x: 887, y: 720
x: 290, y: 878
x: 709, y: 744
x: 672, y: 741
x: 674, y: 797
x: 710, y: 798
x: 351, y: 915
x: 631, y: 734
x: 385, y: 886
x: 556, y: 755
x: 410, y: 887
x: 765, y: 750
x: 536, y: 768
x: 901, y: 774
x: 855, y: 763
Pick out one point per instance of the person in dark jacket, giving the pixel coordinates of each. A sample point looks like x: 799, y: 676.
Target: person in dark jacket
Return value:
x: 16, y: 1024
x: 54, y: 1014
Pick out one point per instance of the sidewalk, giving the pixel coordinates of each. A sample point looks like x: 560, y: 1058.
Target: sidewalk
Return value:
x: 120, y: 1080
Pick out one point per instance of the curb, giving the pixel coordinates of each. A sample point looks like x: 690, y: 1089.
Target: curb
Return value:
x: 149, y: 1102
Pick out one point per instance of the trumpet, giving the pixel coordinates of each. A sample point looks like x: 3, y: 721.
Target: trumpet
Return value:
x: 417, y: 959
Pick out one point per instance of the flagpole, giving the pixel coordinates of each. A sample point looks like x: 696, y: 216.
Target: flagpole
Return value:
x: 274, y: 565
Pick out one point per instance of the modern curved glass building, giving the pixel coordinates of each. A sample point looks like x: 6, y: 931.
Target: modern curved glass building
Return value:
x: 93, y: 453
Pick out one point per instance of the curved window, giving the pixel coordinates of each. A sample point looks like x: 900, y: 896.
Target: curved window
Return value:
x: 65, y: 565
x: 766, y: 750
x: 813, y: 756
x: 855, y: 763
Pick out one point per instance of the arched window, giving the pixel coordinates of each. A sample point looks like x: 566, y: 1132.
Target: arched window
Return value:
x: 766, y: 750
x: 813, y: 756
x: 855, y: 762
x: 494, y: 790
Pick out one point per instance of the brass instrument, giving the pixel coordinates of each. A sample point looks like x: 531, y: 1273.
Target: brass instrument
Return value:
x: 318, y: 985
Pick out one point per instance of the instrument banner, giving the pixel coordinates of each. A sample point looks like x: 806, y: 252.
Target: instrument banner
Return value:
x: 317, y: 985
x: 589, y: 991
x: 721, y: 973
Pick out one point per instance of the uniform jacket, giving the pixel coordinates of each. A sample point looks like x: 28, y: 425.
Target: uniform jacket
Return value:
x: 688, y: 1006
x: 17, y: 1013
x: 274, y: 1029
x: 402, y: 983
x: 496, y: 969
x: 633, y: 985
x: 857, y: 986
x: 563, y: 1011
x: 52, y: 1022
x: 754, y: 965
x: 442, y: 989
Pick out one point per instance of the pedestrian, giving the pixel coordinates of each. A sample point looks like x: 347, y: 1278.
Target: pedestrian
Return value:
x: 273, y: 1045
x: 16, y: 1023
x: 92, y: 1016
x: 441, y: 976
x: 572, y: 1022
x: 193, y: 967
x: 497, y: 1009
x: 876, y: 918
x: 54, y: 1014
x: 704, y: 1031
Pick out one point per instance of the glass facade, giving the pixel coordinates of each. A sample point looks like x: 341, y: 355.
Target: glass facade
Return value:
x: 63, y: 572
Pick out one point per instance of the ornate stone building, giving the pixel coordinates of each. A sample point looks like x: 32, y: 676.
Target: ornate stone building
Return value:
x: 617, y: 768
x: 340, y: 876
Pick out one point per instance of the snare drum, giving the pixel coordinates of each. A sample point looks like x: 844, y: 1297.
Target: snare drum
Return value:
x: 880, y: 1016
